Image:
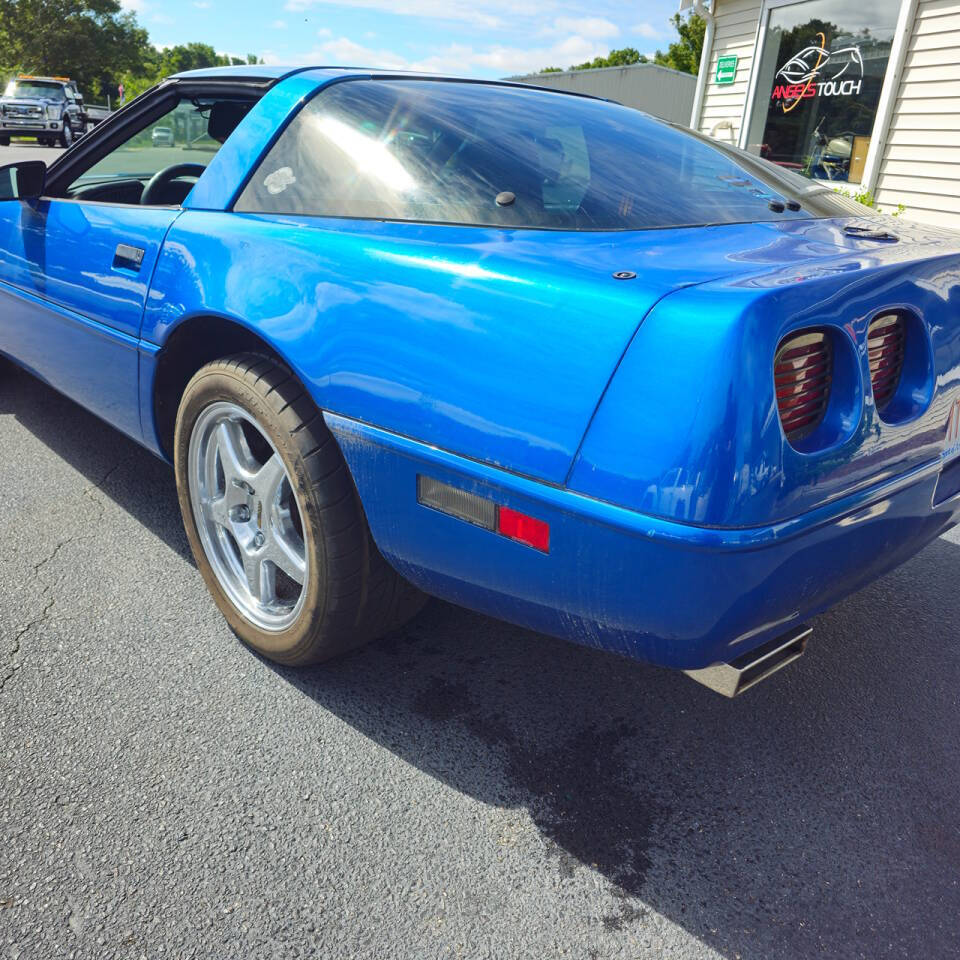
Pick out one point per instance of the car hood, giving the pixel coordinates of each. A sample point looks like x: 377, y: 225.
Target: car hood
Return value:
x: 489, y: 343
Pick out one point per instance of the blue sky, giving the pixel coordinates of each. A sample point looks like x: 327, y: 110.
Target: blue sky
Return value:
x: 479, y: 38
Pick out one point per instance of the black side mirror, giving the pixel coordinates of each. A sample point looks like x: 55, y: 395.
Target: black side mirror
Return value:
x: 23, y: 181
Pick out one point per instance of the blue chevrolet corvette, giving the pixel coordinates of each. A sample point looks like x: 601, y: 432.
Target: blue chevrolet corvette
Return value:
x: 535, y: 353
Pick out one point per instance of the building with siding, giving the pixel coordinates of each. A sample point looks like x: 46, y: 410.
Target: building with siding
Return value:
x: 866, y: 95
x: 656, y: 90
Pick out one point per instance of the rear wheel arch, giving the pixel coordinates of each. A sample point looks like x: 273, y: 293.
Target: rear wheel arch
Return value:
x: 193, y: 343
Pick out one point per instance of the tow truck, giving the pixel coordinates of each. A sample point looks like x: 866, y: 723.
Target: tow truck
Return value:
x: 48, y: 108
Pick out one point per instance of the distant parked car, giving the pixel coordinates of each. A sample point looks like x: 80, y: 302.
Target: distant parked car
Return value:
x: 162, y: 137
x: 534, y: 353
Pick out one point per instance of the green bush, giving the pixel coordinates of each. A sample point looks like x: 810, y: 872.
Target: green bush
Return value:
x: 867, y: 199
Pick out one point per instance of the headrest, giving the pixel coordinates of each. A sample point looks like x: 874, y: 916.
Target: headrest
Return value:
x: 224, y: 117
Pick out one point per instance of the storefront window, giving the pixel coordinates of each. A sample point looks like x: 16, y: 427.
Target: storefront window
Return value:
x: 821, y: 70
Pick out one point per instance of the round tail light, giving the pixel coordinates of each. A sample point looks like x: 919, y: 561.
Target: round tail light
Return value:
x: 803, y: 373
x: 886, y: 340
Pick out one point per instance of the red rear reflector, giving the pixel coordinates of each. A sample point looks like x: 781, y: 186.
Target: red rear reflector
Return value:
x: 524, y: 529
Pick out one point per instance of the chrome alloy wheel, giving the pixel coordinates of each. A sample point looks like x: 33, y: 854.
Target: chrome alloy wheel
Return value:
x: 247, y: 516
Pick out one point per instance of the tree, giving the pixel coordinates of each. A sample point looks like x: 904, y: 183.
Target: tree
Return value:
x: 95, y: 43
x: 684, y: 54
x: 158, y: 64
x: 615, y: 58
x: 91, y: 41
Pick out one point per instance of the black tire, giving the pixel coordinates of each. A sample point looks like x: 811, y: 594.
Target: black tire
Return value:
x: 66, y: 134
x: 4, y: 141
x: 353, y: 594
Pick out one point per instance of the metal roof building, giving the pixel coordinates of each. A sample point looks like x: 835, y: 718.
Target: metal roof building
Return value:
x: 645, y: 86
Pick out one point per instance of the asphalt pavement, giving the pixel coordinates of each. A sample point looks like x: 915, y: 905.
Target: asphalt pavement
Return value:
x: 28, y: 150
x: 462, y: 788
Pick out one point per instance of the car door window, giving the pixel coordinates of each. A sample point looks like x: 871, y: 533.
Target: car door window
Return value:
x: 159, y: 164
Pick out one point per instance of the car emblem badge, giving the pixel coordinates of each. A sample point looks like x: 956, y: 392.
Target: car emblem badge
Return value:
x: 951, y: 445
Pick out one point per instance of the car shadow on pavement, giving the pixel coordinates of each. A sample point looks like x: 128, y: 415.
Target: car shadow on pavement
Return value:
x: 819, y: 813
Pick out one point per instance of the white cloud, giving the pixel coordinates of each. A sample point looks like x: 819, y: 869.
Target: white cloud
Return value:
x: 346, y: 51
x: 201, y: 4
x: 593, y: 27
x: 456, y: 58
x: 646, y: 30
x: 324, y: 32
x: 512, y: 61
x: 161, y: 18
x: 490, y: 14
x: 341, y: 50
x: 279, y: 24
x: 469, y: 37
x: 137, y: 6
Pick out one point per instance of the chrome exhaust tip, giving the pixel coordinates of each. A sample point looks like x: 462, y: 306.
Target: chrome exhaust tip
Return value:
x: 731, y: 679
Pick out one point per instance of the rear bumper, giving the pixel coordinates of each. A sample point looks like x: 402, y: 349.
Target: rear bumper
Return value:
x: 670, y: 593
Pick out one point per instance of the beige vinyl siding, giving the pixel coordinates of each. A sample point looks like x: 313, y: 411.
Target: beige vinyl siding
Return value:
x: 735, y: 34
x: 921, y: 158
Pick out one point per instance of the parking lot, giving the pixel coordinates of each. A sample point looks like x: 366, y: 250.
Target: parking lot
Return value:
x: 154, y: 158
x: 461, y: 788
x: 28, y: 150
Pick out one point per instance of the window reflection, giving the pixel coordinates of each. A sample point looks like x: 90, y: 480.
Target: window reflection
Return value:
x: 367, y: 156
x: 481, y: 154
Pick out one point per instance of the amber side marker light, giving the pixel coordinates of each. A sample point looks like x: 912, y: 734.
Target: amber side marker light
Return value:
x: 512, y: 524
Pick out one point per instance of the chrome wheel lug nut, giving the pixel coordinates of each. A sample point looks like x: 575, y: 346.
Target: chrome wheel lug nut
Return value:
x: 242, y: 514
x: 258, y: 540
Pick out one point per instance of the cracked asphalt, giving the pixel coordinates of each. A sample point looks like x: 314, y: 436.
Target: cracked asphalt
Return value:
x: 462, y: 788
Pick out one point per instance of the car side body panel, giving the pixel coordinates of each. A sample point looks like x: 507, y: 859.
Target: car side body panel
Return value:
x: 456, y: 336
x: 495, y: 344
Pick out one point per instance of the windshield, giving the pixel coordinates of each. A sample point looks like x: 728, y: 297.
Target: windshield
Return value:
x: 453, y: 152
x: 34, y: 90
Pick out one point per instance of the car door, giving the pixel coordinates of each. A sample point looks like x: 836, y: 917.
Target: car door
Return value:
x: 75, y: 270
x: 73, y: 282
